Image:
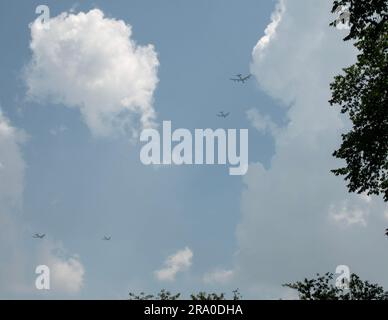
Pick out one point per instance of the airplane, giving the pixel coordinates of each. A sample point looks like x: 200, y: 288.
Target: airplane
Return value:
x: 386, y: 232
x: 222, y: 114
x: 240, y: 78
x: 38, y: 236
x: 106, y: 238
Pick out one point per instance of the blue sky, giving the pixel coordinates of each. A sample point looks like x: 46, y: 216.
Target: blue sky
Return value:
x: 77, y: 185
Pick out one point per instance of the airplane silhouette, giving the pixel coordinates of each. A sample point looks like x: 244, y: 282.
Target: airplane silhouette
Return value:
x: 240, y: 78
x: 106, y: 238
x: 222, y: 114
x: 38, y: 236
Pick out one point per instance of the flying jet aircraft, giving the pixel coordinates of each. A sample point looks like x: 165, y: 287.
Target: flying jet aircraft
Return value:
x: 240, y: 78
x: 222, y: 114
x: 38, y: 236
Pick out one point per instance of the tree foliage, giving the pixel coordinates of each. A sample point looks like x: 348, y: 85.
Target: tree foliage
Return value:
x: 362, y: 93
x: 162, y: 295
x: 322, y: 288
x: 364, y: 15
x: 167, y: 295
x: 214, y: 296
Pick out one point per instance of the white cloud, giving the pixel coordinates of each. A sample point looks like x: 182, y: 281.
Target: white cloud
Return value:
x: 66, y: 272
x: 270, y: 30
x: 68, y: 275
x: 12, y: 164
x: 17, y: 258
x: 386, y: 214
x: 348, y: 215
x: 11, y: 196
x: 58, y: 130
x: 260, y: 122
x: 365, y: 197
x: 180, y: 261
x: 91, y: 62
x: 286, y: 230
x: 218, y: 276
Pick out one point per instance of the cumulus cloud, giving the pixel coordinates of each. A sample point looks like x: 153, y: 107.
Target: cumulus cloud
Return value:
x: 12, y: 171
x: 292, y: 212
x: 386, y: 214
x: 17, y: 260
x: 66, y: 272
x: 260, y: 122
x: 348, y: 215
x: 270, y: 30
x: 12, y: 165
x: 180, y: 261
x: 58, y: 130
x: 218, y: 276
x: 91, y: 62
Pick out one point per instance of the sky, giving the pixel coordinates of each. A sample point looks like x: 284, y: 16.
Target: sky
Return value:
x: 76, y: 94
